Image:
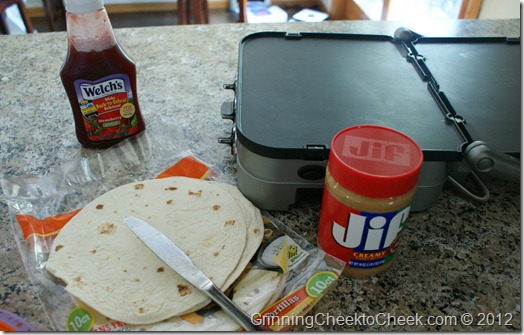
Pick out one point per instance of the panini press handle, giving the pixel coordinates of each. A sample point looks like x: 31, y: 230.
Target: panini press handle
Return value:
x: 483, y: 160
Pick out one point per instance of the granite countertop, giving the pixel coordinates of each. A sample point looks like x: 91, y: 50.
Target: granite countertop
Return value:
x: 457, y: 257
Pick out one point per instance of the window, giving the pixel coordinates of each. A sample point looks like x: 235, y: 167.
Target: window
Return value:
x: 419, y: 9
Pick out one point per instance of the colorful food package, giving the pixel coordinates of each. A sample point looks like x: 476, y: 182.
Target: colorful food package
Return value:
x: 285, y: 277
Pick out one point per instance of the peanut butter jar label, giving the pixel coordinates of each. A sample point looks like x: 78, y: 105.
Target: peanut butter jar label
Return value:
x: 363, y: 240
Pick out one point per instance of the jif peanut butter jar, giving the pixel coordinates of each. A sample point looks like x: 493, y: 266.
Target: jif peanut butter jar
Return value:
x: 370, y: 181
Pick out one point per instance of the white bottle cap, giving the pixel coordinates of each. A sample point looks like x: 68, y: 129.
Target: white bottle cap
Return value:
x: 83, y: 6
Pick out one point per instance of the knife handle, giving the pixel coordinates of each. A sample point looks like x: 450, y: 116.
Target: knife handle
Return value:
x: 232, y: 309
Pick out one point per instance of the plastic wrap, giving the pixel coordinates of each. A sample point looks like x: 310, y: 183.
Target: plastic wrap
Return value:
x: 284, y: 280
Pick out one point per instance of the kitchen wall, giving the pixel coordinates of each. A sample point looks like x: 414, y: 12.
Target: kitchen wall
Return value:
x: 496, y: 9
x: 38, y: 3
x: 491, y: 9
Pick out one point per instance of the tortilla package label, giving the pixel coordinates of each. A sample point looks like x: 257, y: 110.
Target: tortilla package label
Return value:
x: 80, y: 319
x: 40, y: 233
x: 288, y: 311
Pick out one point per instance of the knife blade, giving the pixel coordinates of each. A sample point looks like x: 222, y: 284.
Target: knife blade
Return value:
x: 175, y: 258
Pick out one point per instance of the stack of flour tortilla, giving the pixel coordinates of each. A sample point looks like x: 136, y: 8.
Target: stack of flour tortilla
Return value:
x: 104, y: 264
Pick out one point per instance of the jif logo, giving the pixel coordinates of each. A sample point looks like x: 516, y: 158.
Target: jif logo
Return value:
x: 376, y: 150
x: 369, y: 232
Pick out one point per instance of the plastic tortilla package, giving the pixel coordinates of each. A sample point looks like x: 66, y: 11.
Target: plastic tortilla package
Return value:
x: 277, y: 279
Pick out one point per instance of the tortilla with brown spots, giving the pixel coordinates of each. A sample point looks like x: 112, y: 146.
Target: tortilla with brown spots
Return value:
x: 107, y: 267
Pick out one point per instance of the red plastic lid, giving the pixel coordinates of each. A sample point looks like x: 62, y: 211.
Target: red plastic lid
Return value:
x: 375, y: 161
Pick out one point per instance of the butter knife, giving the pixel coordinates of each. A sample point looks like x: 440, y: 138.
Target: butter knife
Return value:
x: 173, y: 256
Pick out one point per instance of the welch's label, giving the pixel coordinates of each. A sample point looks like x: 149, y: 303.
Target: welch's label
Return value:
x: 96, y: 91
x: 107, y: 106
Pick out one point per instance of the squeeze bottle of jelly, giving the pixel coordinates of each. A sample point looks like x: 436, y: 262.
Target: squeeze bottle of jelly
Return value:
x: 99, y: 78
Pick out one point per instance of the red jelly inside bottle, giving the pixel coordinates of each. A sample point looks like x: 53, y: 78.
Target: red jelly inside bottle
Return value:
x: 100, y: 82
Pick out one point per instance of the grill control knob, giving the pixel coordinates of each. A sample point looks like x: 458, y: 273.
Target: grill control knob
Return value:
x: 227, y: 111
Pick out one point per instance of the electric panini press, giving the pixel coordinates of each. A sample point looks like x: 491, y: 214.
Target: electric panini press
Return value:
x: 458, y: 98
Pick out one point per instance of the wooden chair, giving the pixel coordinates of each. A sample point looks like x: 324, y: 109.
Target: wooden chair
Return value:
x: 197, y: 11
x: 23, y: 12
x: 242, y: 15
x: 53, y: 11
x: 193, y: 12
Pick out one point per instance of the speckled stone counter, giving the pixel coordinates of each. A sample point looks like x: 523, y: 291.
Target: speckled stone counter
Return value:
x: 458, y: 257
